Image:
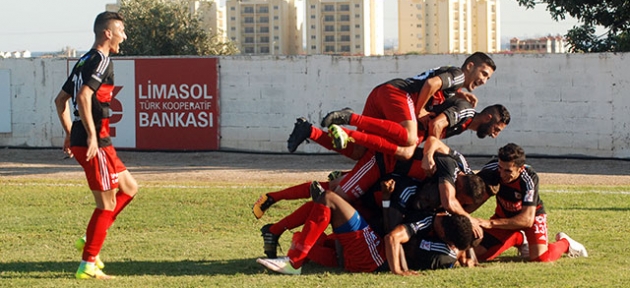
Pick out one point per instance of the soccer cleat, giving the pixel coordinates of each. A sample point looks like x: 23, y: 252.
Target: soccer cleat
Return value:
x: 86, y: 271
x: 334, y: 175
x: 80, y: 243
x: 270, y: 242
x: 339, y: 137
x: 523, y: 250
x: 316, y: 190
x: 301, y: 131
x: 262, y: 204
x: 575, y: 249
x: 280, y: 265
x: 340, y: 117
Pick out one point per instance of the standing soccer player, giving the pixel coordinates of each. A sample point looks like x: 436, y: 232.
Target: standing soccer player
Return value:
x: 90, y: 87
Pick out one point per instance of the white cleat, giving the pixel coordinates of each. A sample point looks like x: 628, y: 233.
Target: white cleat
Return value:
x: 575, y: 249
x: 281, y: 265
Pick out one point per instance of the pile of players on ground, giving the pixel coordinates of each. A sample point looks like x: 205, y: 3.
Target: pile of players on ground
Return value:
x: 406, y: 204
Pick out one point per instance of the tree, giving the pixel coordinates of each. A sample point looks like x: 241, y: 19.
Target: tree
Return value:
x: 163, y: 27
x: 613, y: 15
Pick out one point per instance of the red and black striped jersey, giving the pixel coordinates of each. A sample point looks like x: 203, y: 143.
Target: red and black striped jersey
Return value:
x: 452, y: 80
x: 95, y: 71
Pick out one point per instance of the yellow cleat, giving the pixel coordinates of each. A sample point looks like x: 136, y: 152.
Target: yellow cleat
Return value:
x: 80, y: 243
x: 87, y: 271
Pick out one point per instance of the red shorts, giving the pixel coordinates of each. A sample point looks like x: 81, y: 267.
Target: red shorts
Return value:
x: 101, y: 171
x: 367, y: 173
x: 363, y: 250
x: 537, y: 234
x: 390, y: 103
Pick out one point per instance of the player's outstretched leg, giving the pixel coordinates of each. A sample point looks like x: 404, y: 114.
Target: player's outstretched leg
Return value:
x: 301, y: 131
x: 575, y: 249
x: 339, y: 117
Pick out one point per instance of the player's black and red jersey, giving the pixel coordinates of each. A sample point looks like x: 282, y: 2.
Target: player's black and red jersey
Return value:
x: 452, y: 80
x: 512, y: 197
x: 424, y: 250
x: 96, y: 71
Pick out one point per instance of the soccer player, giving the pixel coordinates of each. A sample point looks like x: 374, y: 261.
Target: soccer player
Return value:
x: 519, y: 207
x: 456, y: 116
x: 393, y: 108
x: 90, y: 87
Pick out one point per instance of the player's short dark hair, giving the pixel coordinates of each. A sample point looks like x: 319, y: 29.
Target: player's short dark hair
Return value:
x: 480, y: 58
x: 458, y: 231
x: 512, y: 153
x: 102, y: 20
x: 499, y: 113
x: 474, y: 187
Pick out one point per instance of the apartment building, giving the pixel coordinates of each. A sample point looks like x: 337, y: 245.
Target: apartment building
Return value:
x: 348, y: 27
x: 448, y: 26
x: 265, y: 26
x: 549, y: 44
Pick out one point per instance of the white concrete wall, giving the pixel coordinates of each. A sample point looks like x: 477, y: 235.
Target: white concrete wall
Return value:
x: 561, y: 104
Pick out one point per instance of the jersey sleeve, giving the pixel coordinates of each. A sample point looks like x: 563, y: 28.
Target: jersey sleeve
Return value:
x: 460, y: 111
x: 529, y: 186
x: 452, y: 78
x: 421, y: 226
x: 446, y: 168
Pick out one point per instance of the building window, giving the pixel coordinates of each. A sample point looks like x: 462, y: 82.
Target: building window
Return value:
x: 264, y: 39
x: 357, y: 26
x: 276, y: 38
x: 357, y: 15
x: 344, y: 7
x: 312, y: 6
x: 249, y: 19
x: 329, y: 8
x: 329, y: 38
x: 275, y: 7
x: 357, y: 5
x: 313, y: 37
x: 249, y: 39
x: 275, y: 28
x: 329, y: 48
x: 313, y: 47
x: 233, y: 8
x: 344, y: 17
x: 275, y: 17
x: 264, y: 50
x: 329, y: 28
x: 345, y: 28
x: 276, y: 48
x: 248, y: 9
x: 233, y: 28
x: 345, y: 48
x: 345, y: 37
x: 232, y: 18
x: 264, y: 19
x: 249, y: 29
x: 357, y: 36
x: 329, y: 18
x: 264, y: 29
x: 357, y: 47
x: 312, y: 26
x: 313, y: 16
x: 263, y: 9
x: 249, y: 50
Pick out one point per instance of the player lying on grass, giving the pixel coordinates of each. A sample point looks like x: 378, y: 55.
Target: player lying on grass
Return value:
x: 519, y: 207
x: 363, y: 249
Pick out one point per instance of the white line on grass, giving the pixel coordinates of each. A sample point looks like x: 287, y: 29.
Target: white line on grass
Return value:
x: 282, y: 187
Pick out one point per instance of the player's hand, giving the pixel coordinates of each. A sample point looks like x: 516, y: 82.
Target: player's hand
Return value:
x: 66, y: 147
x: 476, y: 225
x: 92, y: 147
x: 468, y: 97
x: 387, y: 188
x: 428, y: 165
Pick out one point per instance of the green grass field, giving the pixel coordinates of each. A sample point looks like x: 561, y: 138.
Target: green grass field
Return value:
x: 202, y: 235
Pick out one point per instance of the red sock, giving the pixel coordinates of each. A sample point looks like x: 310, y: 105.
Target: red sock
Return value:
x: 293, y: 220
x: 554, y: 251
x: 315, y: 225
x: 122, y: 200
x: 392, y: 131
x: 301, y: 191
x: 96, y: 233
x: 372, y: 141
x: 322, y: 138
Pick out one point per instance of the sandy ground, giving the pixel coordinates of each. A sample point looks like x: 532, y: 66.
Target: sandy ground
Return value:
x: 239, y: 168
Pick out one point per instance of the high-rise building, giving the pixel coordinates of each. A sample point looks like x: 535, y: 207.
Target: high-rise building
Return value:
x: 549, y: 44
x: 265, y: 26
x: 352, y: 27
x: 448, y: 26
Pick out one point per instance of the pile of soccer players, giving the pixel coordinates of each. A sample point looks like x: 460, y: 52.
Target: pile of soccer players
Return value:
x: 405, y: 205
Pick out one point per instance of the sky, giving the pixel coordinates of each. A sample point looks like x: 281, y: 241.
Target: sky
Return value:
x: 50, y: 25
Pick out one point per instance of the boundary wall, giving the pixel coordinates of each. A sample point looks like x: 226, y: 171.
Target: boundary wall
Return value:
x: 566, y: 105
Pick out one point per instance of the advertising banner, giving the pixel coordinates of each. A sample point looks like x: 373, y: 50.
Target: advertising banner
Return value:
x: 165, y: 103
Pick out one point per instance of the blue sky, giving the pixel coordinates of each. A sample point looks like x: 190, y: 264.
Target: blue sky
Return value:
x: 50, y: 25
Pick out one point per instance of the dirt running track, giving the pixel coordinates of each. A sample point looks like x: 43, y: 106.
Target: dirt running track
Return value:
x: 249, y: 169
